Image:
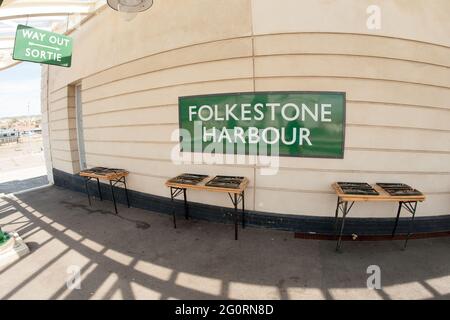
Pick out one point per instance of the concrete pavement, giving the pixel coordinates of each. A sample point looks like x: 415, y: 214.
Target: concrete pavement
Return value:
x: 138, y: 255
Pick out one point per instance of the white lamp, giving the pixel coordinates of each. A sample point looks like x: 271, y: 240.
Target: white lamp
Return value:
x: 130, y: 6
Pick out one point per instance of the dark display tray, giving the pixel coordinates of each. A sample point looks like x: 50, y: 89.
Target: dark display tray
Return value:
x: 102, y: 170
x: 404, y: 192
x: 219, y: 184
x: 232, y: 182
x: 394, y: 185
x: 188, y: 178
x: 362, y: 191
x: 355, y: 185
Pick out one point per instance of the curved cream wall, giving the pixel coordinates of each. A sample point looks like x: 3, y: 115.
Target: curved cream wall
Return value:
x: 397, y: 81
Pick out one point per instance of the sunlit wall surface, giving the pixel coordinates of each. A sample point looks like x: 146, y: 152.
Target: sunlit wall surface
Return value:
x: 396, y: 78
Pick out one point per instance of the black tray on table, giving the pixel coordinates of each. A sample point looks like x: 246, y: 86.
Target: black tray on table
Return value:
x: 188, y: 178
x: 357, y: 188
x: 232, y: 182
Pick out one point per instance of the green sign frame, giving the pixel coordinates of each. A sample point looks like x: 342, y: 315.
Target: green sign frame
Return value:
x: 41, y: 46
x: 307, y: 124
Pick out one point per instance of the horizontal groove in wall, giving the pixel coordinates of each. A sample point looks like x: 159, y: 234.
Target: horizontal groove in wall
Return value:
x: 396, y: 150
x: 354, y: 34
x: 262, y: 78
x: 128, y: 141
x: 363, y: 125
x: 269, y: 77
x: 406, y: 105
x: 59, y: 99
x: 162, y: 160
x: 64, y: 140
x: 350, y: 55
x: 165, y: 51
x: 397, y: 172
x: 167, y: 68
x: 62, y: 108
x: 248, y: 56
x: 129, y: 109
x: 62, y: 119
x: 65, y: 129
x: 64, y: 150
x: 347, y: 148
x: 163, y: 87
x: 257, y: 166
x: 133, y: 125
x: 56, y: 90
x: 355, y: 78
x: 256, y: 36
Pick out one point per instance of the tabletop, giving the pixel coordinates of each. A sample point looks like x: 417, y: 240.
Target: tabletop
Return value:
x: 382, y: 196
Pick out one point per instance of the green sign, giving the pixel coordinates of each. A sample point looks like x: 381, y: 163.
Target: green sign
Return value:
x: 298, y: 124
x: 41, y: 46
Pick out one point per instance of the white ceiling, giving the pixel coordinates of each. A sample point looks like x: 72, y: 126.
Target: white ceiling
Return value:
x: 60, y: 16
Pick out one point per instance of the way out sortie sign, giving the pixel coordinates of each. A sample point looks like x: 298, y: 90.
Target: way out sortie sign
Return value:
x: 42, y: 46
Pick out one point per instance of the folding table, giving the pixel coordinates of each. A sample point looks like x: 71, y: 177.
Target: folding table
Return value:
x: 345, y: 203
x: 114, y: 176
x: 237, y: 195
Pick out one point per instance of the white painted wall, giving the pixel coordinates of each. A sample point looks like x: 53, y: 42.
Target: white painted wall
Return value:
x: 397, y: 81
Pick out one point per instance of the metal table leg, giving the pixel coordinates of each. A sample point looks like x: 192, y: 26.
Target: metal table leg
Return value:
x: 411, y: 207
x: 236, y: 199
x: 243, y: 209
x: 175, y: 192
x: 345, y: 208
x: 99, y: 190
x: 398, y: 217
x: 126, y: 191
x: 186, y: 207
x: 86, y: 180
x: 113, y: 197
x: 336, y: 213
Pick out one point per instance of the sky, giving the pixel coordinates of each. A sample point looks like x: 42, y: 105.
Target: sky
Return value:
x: 19, y: 86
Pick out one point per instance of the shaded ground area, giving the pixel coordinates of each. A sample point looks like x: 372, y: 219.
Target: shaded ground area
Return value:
x: 138, y: 255
x: 22, y: 165
x: 21, y: 185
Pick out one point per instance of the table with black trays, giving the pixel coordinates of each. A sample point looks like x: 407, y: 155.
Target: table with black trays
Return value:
x: 350, y: 192
x: 233, y: 186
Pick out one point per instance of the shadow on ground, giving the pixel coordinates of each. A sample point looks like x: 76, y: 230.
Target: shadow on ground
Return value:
x: 138, y: 255
x: 22, y: 185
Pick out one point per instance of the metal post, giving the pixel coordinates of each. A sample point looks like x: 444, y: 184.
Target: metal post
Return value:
x: 243, y: 209
x: 113, y: 197
x: 411, y: 223
x: 338, y: 245
x: 126, y: 191
x: 398, y: 217
x: 336, y: 214
x: 87, y: 189
x: 186, y: 208
x: 99, y: 189
x: 173, y: 209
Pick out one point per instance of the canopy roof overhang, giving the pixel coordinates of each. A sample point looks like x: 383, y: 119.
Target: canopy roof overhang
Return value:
x: 60, y: 16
